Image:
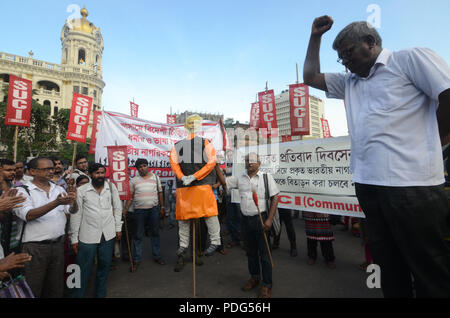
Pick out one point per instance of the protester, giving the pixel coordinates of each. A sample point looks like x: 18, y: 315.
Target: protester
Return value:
x: 398, y: 111
x: 20, y: 177
x: 94, y: 228
x: 318, y: 229
x: 44, y: 213
x: 147, y: 198
x: 252, y: 230
x: 286, y: 218
x: 82, y: 166
x: 193, y: 161
x: 59, y: 175
x: 11, y: 226
x: 233, y: 216
x: 172, y: 188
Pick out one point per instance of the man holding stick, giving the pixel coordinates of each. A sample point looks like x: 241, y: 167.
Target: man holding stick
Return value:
x: 256, y: 222
x: 398, y: 112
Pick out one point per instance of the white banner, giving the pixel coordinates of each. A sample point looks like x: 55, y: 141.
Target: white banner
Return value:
x: 312, y: 175
x: 149, y: 140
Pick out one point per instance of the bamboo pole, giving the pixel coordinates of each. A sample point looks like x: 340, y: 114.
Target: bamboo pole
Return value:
x: 262, y: 225
x: 15, y: 142
x: 128, y: 240
x: 73, y: 159
x: 193, y: 256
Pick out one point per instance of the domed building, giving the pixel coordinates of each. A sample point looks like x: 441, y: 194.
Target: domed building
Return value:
x: 80, y: 70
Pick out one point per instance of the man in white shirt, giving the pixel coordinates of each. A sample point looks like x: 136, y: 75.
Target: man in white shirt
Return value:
x: 44, y: 212
x: 94, y: 228
x: 398, y: 109
x: 251, y: 228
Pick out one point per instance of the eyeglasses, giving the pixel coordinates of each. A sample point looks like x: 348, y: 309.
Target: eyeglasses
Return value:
x: 347, y: 55
x: 46, y: 169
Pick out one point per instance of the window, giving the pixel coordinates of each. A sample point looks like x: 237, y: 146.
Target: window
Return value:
x: 55, y: 110
x: 84, y: 91
x: 81, y: 57
x: 95, y: 93
x: 76, y: 89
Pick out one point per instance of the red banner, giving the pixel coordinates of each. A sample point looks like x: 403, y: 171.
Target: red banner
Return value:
x: 299, y: 103
x: 18, y: 109
x: 134, y: 109
x: 325, y: 128
x: 171, y: 119
x: 95, y: 126
x: 267, y: 114
x: 79, y: 117
x: 254, y: 116
x: 118, y: 170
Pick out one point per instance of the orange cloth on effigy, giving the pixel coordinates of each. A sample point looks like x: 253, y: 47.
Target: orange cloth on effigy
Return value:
x: 195, y: 202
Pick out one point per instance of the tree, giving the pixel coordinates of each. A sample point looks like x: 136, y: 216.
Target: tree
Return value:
x: 228, y: 123
x: 46, y: 135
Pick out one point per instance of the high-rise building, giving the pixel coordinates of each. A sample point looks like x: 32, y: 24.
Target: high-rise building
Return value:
x: 80, y: 70
x: 316, y: 111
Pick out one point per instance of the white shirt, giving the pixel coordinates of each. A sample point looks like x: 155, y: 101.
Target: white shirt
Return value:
x: 97, y: 214
x: 391, y: 116
x: 246, y: 185
x: 49, y: 226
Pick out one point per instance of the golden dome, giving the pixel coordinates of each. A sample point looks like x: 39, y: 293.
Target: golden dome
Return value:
x: 83, y: 24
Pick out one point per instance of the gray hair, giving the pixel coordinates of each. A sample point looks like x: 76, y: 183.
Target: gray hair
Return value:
x: 357, y: 32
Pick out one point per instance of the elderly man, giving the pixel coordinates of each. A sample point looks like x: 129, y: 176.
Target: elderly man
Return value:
x: 252, y: 230
x: 398, y: 107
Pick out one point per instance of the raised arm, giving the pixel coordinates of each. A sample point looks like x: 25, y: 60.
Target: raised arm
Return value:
x: 311, y: 68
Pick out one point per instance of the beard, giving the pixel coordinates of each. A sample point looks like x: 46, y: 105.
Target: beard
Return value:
x: 98, y: 182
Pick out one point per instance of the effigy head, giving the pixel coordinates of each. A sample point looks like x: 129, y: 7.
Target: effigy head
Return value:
x: 193, y: 124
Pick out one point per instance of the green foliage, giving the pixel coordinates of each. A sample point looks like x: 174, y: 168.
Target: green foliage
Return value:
x: 46, y: 135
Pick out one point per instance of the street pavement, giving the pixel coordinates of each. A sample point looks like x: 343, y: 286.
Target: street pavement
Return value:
x: 221, y: 276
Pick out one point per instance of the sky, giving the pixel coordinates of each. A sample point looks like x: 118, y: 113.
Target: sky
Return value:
x: 215, y: 56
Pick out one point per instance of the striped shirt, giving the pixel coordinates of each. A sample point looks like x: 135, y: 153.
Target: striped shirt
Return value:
x: 145, y: 191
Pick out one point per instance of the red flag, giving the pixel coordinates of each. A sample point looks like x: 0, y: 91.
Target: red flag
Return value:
x: 325, y: 128
x: 299, y: 106
x: 267, y: 114
x: 118, y: 170
x: 79, y: 117
x: 95, y: 126
x: 134, y: 109
x: 255, y: 197
x: 18, y: 109
x: 254, y: 115
x: 171, y: 119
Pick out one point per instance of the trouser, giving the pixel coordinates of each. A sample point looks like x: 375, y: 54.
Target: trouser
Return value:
x: 212, y: 224
x: 45, y: 271
x: 141, y: 216
x: 233, y: 219
x: 406, y: 228
x: 85, y: 259
x: 325, y: 246
x: 286, y: 218
x: 257, y: 255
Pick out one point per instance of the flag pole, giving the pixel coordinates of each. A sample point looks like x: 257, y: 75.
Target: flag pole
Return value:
x: 15, y: 142
x: 73, y: 159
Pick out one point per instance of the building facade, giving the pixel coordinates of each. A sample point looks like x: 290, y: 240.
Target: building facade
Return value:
x: 80, y: 70
x: 181, y: 117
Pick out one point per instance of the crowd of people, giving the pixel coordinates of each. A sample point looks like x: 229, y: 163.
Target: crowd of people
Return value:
x: 398, y: 106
